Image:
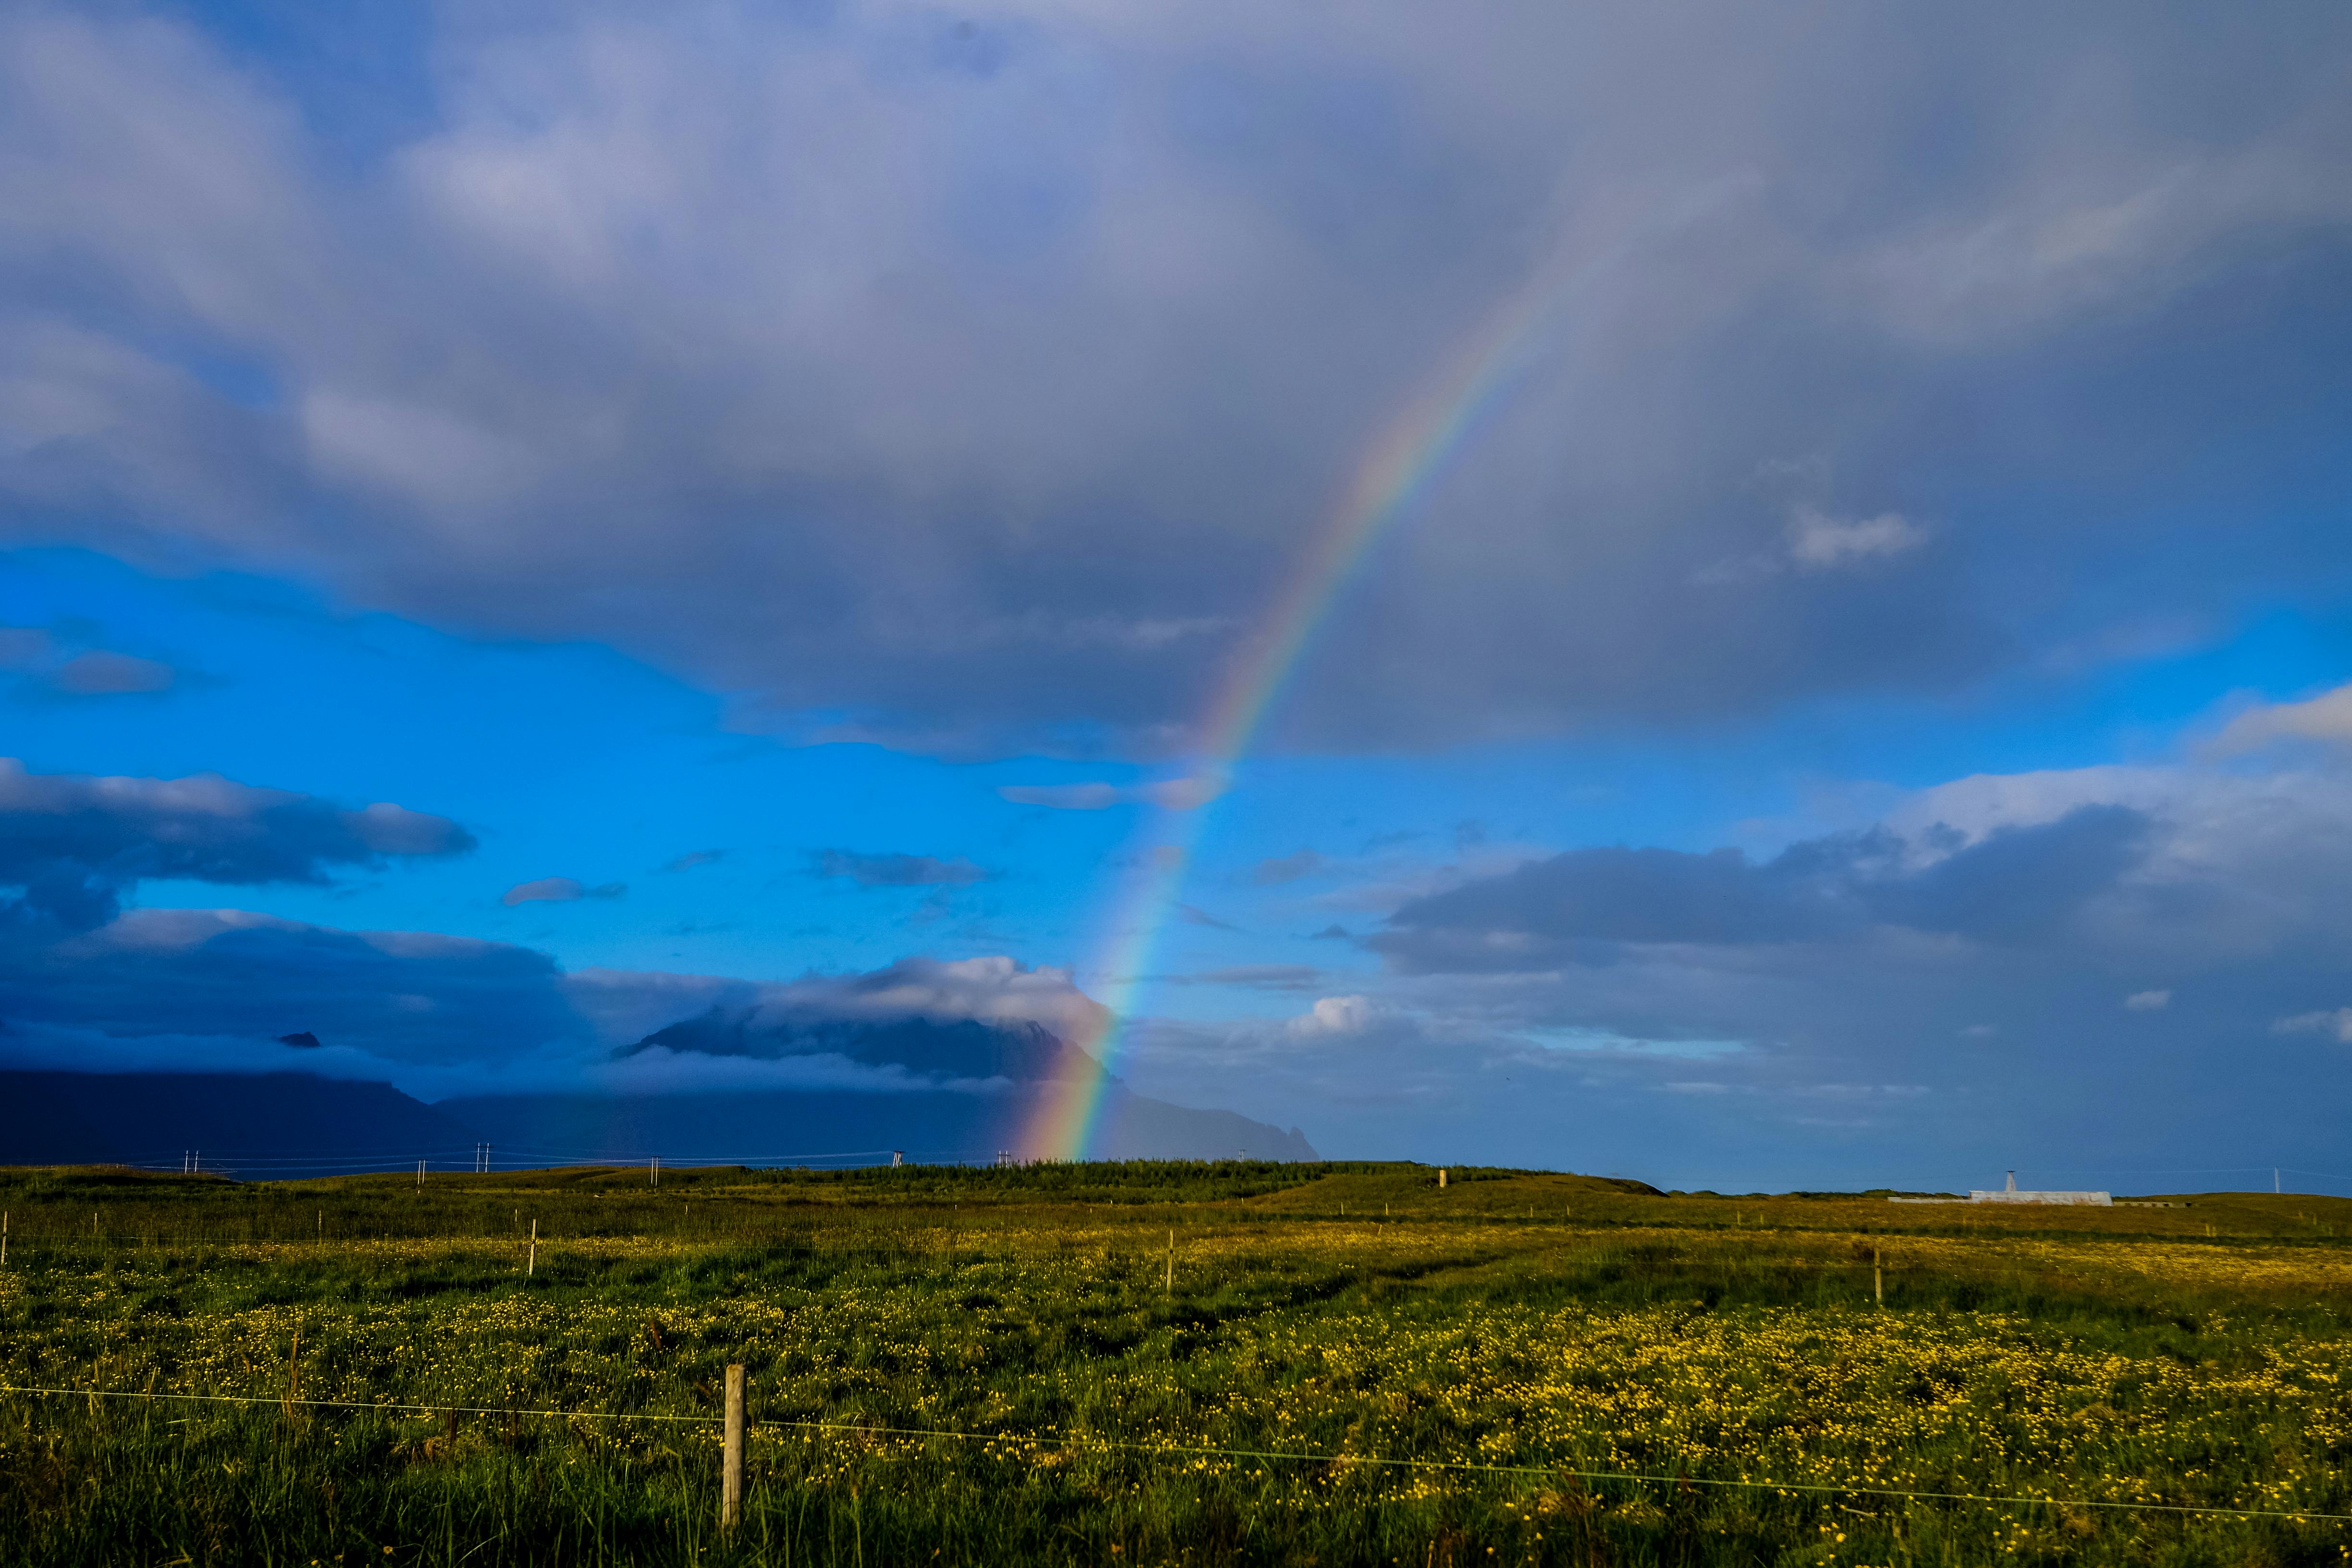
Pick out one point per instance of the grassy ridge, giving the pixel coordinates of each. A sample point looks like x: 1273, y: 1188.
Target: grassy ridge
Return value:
x: 1557, y: 1323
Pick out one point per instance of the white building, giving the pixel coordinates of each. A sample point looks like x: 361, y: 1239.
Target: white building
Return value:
x: 2010, y: 1194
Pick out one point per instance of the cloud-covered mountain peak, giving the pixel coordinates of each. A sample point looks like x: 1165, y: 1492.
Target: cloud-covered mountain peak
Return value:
x: 1018, y: 1049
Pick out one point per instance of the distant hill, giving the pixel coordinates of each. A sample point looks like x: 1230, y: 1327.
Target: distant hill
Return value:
x: 815, y: 1127
x: 297, y: 1124
x: 255, y: 1125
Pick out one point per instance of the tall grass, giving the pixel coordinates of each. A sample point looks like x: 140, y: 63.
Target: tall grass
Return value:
x: 985, y: 1366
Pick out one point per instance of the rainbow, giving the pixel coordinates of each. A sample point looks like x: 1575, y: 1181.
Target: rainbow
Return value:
x: 1395, y: 472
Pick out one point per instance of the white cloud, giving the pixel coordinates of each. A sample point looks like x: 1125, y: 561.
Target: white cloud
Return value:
x: 2337, y: 1022
x: 2326, y: 717
x: 1818, y: 542
x: 2149, y: 1001
x: 1339, y: 1016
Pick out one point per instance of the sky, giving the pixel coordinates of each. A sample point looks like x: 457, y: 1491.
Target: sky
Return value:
x: 1754, y: 598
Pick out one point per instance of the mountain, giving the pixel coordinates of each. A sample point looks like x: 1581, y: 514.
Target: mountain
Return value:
x: 941, y: 1091
x: 1018, y: 1050
x: 945, y: 1090
x: 257, y: 1124
x: 828, y: 1127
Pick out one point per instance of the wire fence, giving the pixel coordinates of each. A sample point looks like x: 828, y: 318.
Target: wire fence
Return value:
x: 1059, y: 1443
x: 282, y: 1164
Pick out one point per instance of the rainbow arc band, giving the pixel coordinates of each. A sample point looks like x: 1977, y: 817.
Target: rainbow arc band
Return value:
x: 1397, y: 471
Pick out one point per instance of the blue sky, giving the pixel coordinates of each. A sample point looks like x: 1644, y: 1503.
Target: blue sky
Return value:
x: 738, y: 480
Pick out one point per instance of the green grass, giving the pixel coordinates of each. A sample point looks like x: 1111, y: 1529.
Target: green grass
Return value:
x: 2198, y: 1355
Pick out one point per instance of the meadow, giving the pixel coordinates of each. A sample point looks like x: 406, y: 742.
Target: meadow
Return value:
x: 1149, y: 1363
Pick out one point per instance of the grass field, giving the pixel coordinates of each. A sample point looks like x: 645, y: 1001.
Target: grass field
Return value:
x: 993, y: 1366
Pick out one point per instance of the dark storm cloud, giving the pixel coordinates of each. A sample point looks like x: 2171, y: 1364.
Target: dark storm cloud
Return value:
x: 2016, y: 884
x: 897, y: 870
x: 2107, y: 965
x: 223, y: 990
x: 1028, y: 389
x: 72, y: 845
x: 396, y: 996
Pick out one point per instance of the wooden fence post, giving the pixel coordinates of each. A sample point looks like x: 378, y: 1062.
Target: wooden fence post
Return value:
x: 1877, y: 1278
x: 1168, y: 1285
x: 731, y: 1467
x: 531, y: 1265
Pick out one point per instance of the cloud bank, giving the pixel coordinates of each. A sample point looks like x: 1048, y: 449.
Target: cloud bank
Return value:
x: 1024, y: 354
x: 71, y: 845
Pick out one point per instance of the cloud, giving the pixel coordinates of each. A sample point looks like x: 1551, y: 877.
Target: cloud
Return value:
x: 966, y: 1021
x: 1986, y: 943
x: 1818, y: 542
x: 2336, y: 1022
x: 62, y: 660
x: 74, y: 845
x: 693, y: 858
x: 2326, y: 717
x: 2016, y: 883
x: 1339, y: 1016
x: 898, y: 870
x: 108, y: 674
x: 1187, y: 794
x: 1285, y: 868
x: 1065, y: 798
x: 559, y: 891
x: 1034, y: 358
x: 380, y: 998
x: 224, y: 990
x: 1260, y: 976
x: 1192, y: 914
